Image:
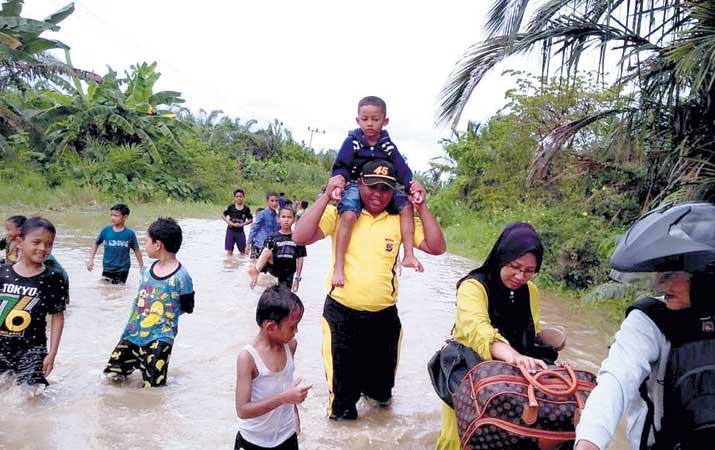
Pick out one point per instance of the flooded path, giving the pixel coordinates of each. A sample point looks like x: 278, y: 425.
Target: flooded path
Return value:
x: 196, y: 409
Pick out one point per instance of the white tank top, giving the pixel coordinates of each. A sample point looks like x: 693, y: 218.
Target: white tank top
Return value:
x: 274, y: 427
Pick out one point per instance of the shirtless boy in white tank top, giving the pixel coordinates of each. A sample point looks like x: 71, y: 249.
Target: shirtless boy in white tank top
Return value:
x: 266, y: 393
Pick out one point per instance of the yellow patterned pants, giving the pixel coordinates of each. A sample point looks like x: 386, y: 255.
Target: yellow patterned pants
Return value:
x: 152, y: 360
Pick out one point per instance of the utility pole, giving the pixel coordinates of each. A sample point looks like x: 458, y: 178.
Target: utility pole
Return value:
x: 312, y: 131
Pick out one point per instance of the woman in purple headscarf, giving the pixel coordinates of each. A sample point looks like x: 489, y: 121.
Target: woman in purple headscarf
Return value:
x: 498, y: 312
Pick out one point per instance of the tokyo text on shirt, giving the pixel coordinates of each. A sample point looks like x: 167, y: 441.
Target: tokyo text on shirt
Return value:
x: 25, y: 303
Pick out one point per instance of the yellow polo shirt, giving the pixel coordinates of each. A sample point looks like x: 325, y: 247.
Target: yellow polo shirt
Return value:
x: 370, y: 260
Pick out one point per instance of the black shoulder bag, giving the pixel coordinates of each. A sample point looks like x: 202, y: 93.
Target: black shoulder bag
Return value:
x: 448, y: 366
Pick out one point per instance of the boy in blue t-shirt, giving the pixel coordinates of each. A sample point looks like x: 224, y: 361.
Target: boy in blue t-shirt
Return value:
x: 165, y: 291
x: 117, y: 240
x: 266, y: 224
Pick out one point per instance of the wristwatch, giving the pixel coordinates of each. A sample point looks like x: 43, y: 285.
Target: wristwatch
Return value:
x: 297, y: 278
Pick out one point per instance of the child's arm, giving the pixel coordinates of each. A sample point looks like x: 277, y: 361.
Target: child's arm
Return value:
x: 90, y: 262
x: 226, y: 218
x: 296, y: 278
x: 344, y: 160
x: 257, y: 225
x: 57, y: 323
x: 138, y: 254
x: 404, y: 173
x: 248, y: 221
x: 343, y: 166
x: 245, y: 408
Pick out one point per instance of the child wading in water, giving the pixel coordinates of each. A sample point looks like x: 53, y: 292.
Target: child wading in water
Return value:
x: 281, y: 256
x: 117, y: 239
x: 366, y: 143
x: 266, y: 394
x: 29, y: 291
x: 165, y: 291
x: 13, y: 225
x: 265, y: 224
x: 236, y: 215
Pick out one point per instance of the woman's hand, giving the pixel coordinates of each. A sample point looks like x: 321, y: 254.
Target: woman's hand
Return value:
x: 504, y: 352
x: 527, y: 362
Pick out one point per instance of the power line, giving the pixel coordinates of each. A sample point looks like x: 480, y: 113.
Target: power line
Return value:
x: 312, y: 131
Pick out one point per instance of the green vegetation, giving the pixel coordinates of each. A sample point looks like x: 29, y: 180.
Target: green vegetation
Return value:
x: 579, y: 210
x: 578, y: 158
x: 114, y: 136
x: 580, y: 207
x: 662, y: 52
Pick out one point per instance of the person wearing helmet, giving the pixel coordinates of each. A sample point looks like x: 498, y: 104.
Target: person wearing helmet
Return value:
x: 660, y: 370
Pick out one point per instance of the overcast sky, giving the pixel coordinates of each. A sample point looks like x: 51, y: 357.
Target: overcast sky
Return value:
x: 306, y: 63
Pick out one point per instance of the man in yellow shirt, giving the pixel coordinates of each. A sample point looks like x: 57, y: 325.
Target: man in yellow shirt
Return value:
x: 361, y: 327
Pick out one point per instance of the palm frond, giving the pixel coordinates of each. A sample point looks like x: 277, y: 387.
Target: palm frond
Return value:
x: 570, y: 34
x: 11, y: 8
x: 554, y: 141
x: 505, y: 17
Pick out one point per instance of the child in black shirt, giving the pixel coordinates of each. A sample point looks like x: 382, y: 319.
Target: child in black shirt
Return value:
x: 281, y: 257
x: 236, y: 215
x: 29, y: 291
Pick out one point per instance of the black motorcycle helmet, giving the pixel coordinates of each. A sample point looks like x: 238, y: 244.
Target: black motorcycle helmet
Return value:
x: 672, y: 237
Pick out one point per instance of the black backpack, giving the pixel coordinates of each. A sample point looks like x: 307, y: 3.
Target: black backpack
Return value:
x: 689, y: 384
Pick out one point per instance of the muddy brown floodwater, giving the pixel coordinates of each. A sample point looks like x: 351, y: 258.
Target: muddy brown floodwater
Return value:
x: 196, y: 409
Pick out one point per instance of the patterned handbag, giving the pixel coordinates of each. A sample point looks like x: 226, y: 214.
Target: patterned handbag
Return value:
x: 502, y: 406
